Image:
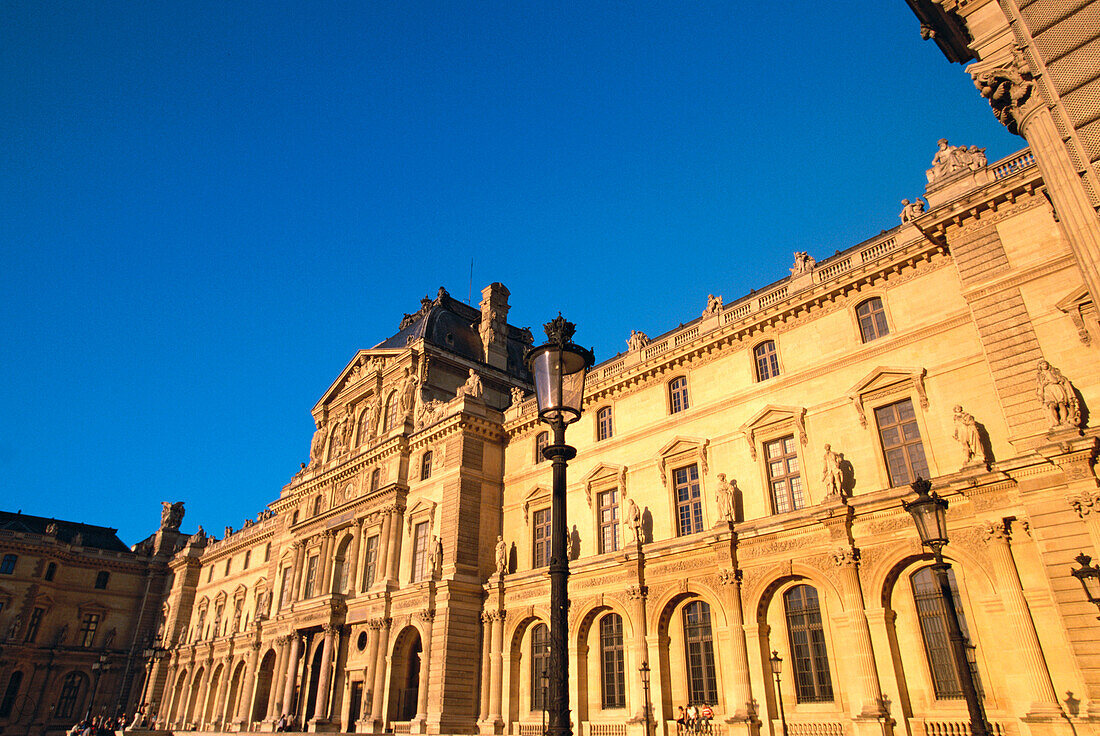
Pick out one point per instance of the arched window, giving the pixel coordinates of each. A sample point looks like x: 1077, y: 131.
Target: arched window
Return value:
x: 612, y: 663
x: 603, y: 424
x: 872, y: 319
x: 71, y: 687
x: 807, y: 640
x: 540, y: 663
x: 767, y: 360
x: 10, y: 693
x: 391, y: 411
x: 542, y: 439
x: 932, y: 614
x: 51, y: 570
x: 318, y: 505
x: 426, y: 465
x: 364, y: 427
x: 677, y: 395
x: 699, y: 651
x: 375, y: 479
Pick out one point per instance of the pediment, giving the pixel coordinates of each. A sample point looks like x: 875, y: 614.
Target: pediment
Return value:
x: 884, y: 380
x: 773, y: 414
x: 421, y: 508
x: 683, y: 448
x: 604, y: 474
x: 1078, y: 304
x: 91, y: 607
x: 363, y: 365
x: 240, y: 591
x: 1074, y: 300
x: 535, y: 495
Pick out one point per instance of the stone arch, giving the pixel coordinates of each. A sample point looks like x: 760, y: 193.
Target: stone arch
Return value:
x: 189, y: 714
x: 237, y: 687
x: 208, y: 712
x: 178, y: 692
x: 404, y: 681
x: 673, y: 651
x: 585, y: 638
x: 265, y: 685
x: 517, y: 690
x: 341, y: 563
x: 659, y: 609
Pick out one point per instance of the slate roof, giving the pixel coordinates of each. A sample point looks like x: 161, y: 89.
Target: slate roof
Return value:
x: 98, y: 537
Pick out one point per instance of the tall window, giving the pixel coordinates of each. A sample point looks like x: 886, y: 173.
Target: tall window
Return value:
x: 689, y: 503
x: 420, y: 551
x: 901, y: 445
x: 247, y: 558
x: 608, y: 502
x: 391, y: 411
x: 677, y: 395
x: 210, y: 574
x: 767, y: 360
x: 228, y: 565
x: 375, y: 479
x: 370, y: 562
x: 699, y: 646
x: 318, y: 505
x: 542, y: 439
x: 7, y: 566
x: 612, y: 663
x: 426, y: 465
x: 284, y: 598
x: 540, y: 526
x: 872, y: 320
x: 807, y: 640
x: 311, y: 575
x: 364, y: 427
x: 784, y: 474
x: 540, y: 665
x: 88, y: 625
x: 51, y: 570
x: 33, y: 624
x: 932, y: 614
x: 101, y: 579
x: 70, y: 693
x: 603, y: 423
x: 10, y: 693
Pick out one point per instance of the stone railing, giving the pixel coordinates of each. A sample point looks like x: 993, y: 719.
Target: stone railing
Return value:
x: 527, y: 729
x: 816, y: 728
x: 951, y: 728
x: 1012, y: 164
x: 401, y: 726
x: 602, y: 729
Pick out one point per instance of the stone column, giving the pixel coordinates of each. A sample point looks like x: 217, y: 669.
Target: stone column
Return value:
x: 219, y: 696
x: 328, y: 541
x: 638, y: 594
x: 486, y: 653
x: 368, y: 672
x: 351, y: 560
x: 248, y: 687
x: 395, y: 545
x: 291, y: 673
x: 871, y: 718
x: 738, y: 683
x: 425, y: 667
x: 496, y: 672
x: 1032, y: 664
x: 378, y: 724
x: 299, y: 552
x: 278, y: 675
x: 382, y: 567
x: 320, y: 711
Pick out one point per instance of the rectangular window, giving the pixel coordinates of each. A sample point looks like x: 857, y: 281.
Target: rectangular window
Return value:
x: 87, y: 628
x: 101, y: 579
x: 284, y: 599
x: 420, y: 552
x: 228, y: 565
x: 70, y: 689
x: 784, y: 475
x: 210, y: 574
x: 7, y: 567
x: 33, y: 624
x: 267, y: 552
x: 370, y: 563
x: 608, y: 502
x: 689, y: 502
x: 311, y: 575
x: 901, y: 445
x: 932, y: 615
x: 247, y: 558
x: 603, y: 423
x: 426, y: 465
x: 540, y: 665
x: 540, y: 530
x: 612, y: 662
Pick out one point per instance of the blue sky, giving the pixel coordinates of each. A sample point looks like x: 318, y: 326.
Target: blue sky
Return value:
x: 206, y: 208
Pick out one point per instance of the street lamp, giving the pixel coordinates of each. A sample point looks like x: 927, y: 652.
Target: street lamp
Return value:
x: 1089, y: 575
x: 644, y: 669
x: 152, y: 652
x: 559, y: 368
x: 777, y: 668
x: 929, y: 513
x: 98, y: 668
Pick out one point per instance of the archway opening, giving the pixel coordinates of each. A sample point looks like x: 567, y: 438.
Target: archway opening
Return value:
x: 314, y: 680
x: 263, y: 686
x: 405, y: 676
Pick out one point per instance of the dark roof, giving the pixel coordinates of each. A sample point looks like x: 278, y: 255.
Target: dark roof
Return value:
x: 98, y: 537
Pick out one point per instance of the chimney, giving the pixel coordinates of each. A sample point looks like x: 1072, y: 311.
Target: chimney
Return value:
x: 494, y: 324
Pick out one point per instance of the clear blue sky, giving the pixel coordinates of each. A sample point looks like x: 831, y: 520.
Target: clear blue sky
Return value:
x: 207, y: 207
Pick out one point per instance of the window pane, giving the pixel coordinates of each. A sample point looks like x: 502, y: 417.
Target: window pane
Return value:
x: 784, y: 475
x: 901, y: 442
x: 699, y: 646
x: 540, y: 660
x: 809, y: 657
x: 932, y: 614
x: 689, y: 507
x: 612, y: 663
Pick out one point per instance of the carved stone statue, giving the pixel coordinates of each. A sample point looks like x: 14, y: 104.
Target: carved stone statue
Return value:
x: 317, y: 445
x: 16, y: 624
x: 636, y: 341
x: 502, y: 556
x: 51, y: 528
x: 953, y: 159
x: 714, y: 304
x: 803, y: 263
x: 228, y: 531
x: 437, y: 558
x: 1057, y: 396
x: 200, y: 534
x: 966, y: 432
x: 429, y: 413
x: 1007, y: 89
x: 831, y: 475
x: 725, y: 497
x: 911, y: 210
x: 171, y: 515
x: 517, y: 395
x: 472, y: 387
x: 633, y: 519
x: 408, y: 394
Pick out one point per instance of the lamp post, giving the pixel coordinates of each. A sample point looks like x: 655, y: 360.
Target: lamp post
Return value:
x: 644, y: 670
x: 151, y: 653
x: 1089, y: 576
x: 559, y: 367
x: 777, y: 668
x: 98, y: 668
x: 929, y: 513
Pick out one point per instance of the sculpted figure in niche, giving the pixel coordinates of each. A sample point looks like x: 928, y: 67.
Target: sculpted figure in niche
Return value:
x: 803, y: 263
x: 634, y: 519
x: 911, y: 210
x: 317, y: 446
x: 472, y: 387
x: 502, y: 556
x: 437, y: 558
x: 831, y: 475
x: 636, y: 341
x: 966, y: 433
x: 725, y: 497
x: 1057, y: 396
x: 406, y: 397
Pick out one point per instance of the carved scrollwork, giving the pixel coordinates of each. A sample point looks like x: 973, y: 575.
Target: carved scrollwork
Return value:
x: 1008, y: 88
x: 845, y: 556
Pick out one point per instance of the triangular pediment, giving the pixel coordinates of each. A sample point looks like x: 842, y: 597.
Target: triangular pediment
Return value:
x: 773, y: 414
x: 605, y: 475
x: 360, y: 368
x: 683, y: 448
x: 1074, y: 300
x: 534, y: 496
x: 886, y: 379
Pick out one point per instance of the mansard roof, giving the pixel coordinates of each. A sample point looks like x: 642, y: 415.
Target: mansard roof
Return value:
x: 98, y: 537
x: 444, y: 322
